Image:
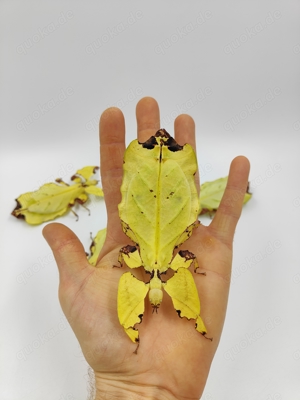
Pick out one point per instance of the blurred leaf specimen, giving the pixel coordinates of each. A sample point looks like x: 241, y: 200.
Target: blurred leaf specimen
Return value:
x: 55, y: 199
x: 211, y: 194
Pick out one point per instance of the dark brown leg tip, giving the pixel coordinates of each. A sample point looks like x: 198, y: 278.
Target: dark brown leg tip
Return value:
x: 208, y: 338
x: 135, y: 351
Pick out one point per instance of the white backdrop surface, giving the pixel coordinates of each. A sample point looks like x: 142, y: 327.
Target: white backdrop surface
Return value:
x: 234, y: 67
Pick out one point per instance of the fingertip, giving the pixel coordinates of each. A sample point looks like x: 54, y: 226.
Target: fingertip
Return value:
x: 111, y: 126
x: 184, y: 127
x: 185, y: 121
x: 241, y: 162
x: 55, y: 232
x: 50, y: 230
x: 239, y: 170
x: 65, y: 245
x: 110, y: 111
x: 146, y: 102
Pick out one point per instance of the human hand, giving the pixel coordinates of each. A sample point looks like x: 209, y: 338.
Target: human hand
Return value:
x: 173, y: 359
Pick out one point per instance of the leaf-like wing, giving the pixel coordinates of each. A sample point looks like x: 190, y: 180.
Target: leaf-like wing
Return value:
x: 36, y: 219
x: 159, y: 199
x: 48, y: 202
x: 96, y: 191
x: 52, y: 197
x: 141, y: 170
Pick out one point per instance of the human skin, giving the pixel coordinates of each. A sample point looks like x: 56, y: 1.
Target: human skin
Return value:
x: 173, y: 359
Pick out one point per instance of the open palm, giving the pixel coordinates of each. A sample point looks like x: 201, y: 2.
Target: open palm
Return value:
x: 173, y: 359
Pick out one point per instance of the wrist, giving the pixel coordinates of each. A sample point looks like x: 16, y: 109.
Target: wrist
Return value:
x: 114, y: 389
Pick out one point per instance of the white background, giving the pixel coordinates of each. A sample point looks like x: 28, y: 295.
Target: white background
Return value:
x: 234, y: 66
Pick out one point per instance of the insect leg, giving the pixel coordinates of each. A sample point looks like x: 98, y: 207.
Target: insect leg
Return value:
x: 59, y: 180
x: 81, y: 199
x: 85, y: 208
x: 76, y: 215
x: 184, y: 259
x: 131, y: 306
x: 183, y: 292
x: 131, y: 256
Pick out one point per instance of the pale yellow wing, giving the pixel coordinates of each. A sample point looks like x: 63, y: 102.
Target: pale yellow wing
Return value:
x: 159, y: 197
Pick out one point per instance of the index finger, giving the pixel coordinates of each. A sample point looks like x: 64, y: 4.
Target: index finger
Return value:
x: 112, y: 147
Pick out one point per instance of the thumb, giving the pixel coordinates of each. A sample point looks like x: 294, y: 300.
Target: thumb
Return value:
x: 68, y: 252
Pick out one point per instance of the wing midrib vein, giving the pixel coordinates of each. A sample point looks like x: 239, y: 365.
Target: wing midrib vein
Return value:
x: 158, y: 198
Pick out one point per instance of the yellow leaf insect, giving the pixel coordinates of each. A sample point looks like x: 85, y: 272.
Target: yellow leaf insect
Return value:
x: 55, y: 199
x: 158, y: 212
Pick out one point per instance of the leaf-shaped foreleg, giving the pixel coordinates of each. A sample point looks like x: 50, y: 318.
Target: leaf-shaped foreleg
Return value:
x: 131, y: 256
x: 183, y: 291
x: 184, y: 259
x: 131, y: 306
